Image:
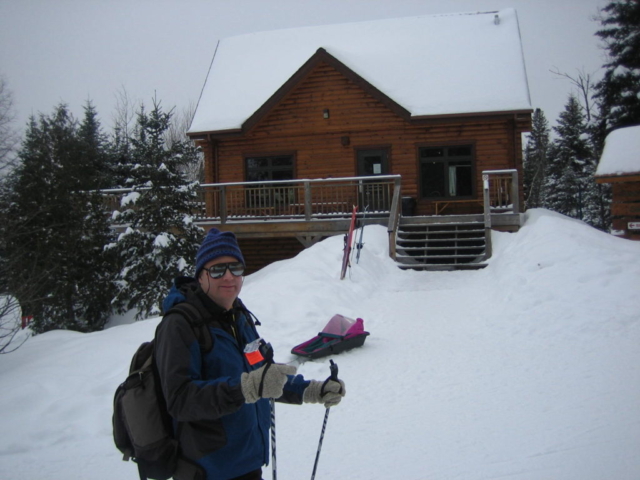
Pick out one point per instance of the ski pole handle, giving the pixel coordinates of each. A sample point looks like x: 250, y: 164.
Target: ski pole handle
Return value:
x: 334, y: 370
x: 333, y: 376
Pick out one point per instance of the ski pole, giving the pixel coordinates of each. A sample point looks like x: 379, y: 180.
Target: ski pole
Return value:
x: 334, y: 377
x: 359, y: 244
x: 268, y: 355
x: 274, y: 475
x: 265, y: 352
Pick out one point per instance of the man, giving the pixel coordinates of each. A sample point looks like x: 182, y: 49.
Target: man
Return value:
x: 219, y: 402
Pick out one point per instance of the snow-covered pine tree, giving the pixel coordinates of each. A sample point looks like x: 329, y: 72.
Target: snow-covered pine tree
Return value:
x: 161, y: 239
x: 535, y: 159
x: 597, y: 211
x: 95, y: 276
x: 95, y: 166
x: 568, y: 163
x: 595, y: 198
x: 9, y: 139
x: 53, y: 238
x: 619, y: 90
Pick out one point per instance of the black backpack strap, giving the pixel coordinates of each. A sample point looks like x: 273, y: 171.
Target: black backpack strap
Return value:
x: 143, y: 476
x: 188, y: 470
x: 192, y: 315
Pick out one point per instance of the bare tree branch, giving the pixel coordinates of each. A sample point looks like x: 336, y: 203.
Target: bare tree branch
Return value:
x: 584, y: 84
x: 177, y: 132
x: 8, y: 136
x: 10, y: 325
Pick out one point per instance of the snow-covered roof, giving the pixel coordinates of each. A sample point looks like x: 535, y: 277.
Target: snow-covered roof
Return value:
x: 429, y: 65
x: 621, y: 153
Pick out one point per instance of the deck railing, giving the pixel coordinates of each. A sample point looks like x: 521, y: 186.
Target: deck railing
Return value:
x: 305, y: 199
x: 500, y: 191
x: 296, y: 199
x: 309, y: 199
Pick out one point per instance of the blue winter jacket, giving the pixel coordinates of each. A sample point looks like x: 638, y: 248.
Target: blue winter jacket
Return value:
x: 215, y: 427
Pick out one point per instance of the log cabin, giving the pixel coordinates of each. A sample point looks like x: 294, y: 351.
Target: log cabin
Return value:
x: 416, y: 121
x: 620, y: 166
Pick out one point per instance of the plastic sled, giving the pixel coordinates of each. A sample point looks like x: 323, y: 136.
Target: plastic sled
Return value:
x: 339, y: 335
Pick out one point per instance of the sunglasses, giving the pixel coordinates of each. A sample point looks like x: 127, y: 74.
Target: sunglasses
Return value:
x: 218, y: 270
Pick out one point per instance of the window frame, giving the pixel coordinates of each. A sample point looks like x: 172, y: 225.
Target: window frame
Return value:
x: 386, y: 159
x: 247, y: 157
x: 446, y: 160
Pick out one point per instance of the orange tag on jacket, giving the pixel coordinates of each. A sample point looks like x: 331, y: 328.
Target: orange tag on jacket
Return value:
x: 254, y: 357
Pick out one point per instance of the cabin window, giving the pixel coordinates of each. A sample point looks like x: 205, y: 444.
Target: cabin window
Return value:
x: 269, y: 199
x: 277, y: 167
x: 373, y: 162
x: 446, y: 172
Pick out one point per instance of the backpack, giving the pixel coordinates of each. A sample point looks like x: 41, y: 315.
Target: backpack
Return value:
x: 142, y: 426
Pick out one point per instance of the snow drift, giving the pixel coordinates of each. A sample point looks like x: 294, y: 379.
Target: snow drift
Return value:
x: 528, y: 369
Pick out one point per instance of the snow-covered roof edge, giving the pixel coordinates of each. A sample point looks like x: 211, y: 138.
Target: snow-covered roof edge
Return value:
x: 396, y: 56
x: 621, y: 153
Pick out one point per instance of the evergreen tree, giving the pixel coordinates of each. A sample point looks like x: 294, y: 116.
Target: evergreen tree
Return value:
x: 569, y: 163
x: 161, y: 239
x: 595, y: 199
x: 8, y: 136
x: 619, y: 90
x: 95, y: 164
x: 55, y: 232
x: 535, y: 160
x: 597, y: 196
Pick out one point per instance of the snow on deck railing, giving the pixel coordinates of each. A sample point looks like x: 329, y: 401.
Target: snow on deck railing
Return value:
x: 500, y: 192
x: 298, y: 198
x: 295, y: 199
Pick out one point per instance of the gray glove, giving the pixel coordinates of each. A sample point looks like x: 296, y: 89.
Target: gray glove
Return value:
x: 265, y: 382
x: 329, y: 392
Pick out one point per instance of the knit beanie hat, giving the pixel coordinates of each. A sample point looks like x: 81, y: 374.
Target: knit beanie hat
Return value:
x: 215, y: 245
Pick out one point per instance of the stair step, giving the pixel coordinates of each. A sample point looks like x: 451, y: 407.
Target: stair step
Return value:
x: 437, y: 235
x: 436, y: 257
x: 441, y: 245
x: 443, y: 267
x: 438, y: 240
x: 437, y: 249
x: 444, y: 227
x: 440, y: 232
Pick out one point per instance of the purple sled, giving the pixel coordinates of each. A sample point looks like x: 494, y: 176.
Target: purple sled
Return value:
x: 339, y: 335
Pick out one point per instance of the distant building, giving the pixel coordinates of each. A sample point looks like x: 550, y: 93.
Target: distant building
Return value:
x: 620, y: 166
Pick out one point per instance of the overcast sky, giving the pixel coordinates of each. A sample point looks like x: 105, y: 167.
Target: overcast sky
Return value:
x: 54, y: 51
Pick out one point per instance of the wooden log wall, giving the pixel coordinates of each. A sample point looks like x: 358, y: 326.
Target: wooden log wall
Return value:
x: 260, y: 252
x: 296, y: 126
x: 327, y: 147
x: 625, y: 207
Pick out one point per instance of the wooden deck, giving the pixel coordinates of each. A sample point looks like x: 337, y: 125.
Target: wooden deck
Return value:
x: 267, y: 216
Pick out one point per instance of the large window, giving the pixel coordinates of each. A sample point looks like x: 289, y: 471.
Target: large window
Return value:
x: 268, y: 199
x: 277, y: 167
x: 446, y: 172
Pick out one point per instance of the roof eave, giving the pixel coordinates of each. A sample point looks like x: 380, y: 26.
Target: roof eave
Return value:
x: 617, y: 178
x: 472, y: 115
x: 418, y: 119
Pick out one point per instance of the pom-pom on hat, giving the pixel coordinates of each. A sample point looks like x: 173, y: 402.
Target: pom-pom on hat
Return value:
x: 215, y: 245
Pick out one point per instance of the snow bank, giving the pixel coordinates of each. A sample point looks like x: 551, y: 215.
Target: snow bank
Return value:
x: 528, y: 369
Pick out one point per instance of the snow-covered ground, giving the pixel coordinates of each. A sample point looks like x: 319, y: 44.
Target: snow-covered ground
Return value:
x: 528, y: 369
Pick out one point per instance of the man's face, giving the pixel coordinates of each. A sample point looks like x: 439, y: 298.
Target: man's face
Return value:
x: 223, y: 290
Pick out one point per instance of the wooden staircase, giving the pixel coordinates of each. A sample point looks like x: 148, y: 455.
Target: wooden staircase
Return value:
x: 442, y: 243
